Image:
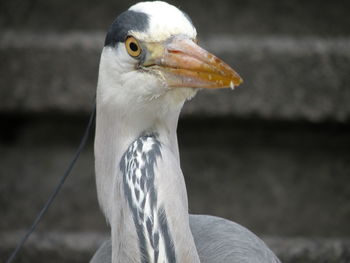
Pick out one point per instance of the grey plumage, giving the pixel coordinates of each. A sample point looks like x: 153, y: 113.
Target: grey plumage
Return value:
x: 218, y: 241
x: 150, y: 65
x: 138, y: 168
x: 221, y: 240
x: 120, y: 27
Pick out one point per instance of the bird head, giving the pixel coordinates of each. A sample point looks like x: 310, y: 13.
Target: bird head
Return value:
x: 151, y: 54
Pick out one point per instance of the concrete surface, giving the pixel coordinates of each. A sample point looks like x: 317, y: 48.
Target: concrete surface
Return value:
x: 274, y: 179
x: 285, y: 180
x: 52, y: 246
x: 79, y: 247
x: 285, y: 78
x: 285, y: 17
x: 273, y: 155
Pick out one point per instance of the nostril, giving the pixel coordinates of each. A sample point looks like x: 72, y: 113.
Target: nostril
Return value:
x: 175, y: 51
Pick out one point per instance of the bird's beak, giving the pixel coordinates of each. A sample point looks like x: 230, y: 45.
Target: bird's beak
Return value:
x: 182, y: 63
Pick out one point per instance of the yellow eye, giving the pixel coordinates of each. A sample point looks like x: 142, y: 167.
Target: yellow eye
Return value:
x: 133, y: 47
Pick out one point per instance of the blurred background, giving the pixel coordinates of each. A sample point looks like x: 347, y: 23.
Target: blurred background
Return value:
x: 272, y: 155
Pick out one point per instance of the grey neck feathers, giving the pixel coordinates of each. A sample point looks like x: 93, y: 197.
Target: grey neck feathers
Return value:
x: 132, y: 179
x: 138, y: 169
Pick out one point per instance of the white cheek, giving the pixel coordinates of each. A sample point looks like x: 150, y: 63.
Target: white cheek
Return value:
x: 125, y: 61
x: 119, y: 78
x: 116, y: 60
x: 143, y: 86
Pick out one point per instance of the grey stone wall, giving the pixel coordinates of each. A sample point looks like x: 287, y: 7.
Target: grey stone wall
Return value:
x: 273, y: 155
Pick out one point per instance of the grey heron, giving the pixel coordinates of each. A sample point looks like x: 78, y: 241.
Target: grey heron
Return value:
x: 150, y: 65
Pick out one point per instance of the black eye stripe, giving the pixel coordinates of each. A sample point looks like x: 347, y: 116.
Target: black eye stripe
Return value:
x: 126, y: 21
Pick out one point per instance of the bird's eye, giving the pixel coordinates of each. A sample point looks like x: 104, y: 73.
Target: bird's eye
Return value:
x: 133, y: 47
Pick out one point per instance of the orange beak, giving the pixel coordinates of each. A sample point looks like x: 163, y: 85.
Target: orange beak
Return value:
x: 183, y: 63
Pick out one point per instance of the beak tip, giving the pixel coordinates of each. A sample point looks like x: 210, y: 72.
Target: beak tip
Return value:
x: 238, y: 81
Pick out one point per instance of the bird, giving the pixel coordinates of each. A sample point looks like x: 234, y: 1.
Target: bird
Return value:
x: 151, y: 63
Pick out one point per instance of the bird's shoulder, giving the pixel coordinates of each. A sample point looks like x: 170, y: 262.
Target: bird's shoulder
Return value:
x: 217, y: 240
x: 221, y: 240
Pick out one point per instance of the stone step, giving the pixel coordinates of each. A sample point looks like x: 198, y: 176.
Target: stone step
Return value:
x: 276, y: 179
x: 288, y: 78
x: 79, y: 247
x: 326, y: 18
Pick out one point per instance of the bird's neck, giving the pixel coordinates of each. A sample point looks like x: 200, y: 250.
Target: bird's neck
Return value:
x: 118, y: 138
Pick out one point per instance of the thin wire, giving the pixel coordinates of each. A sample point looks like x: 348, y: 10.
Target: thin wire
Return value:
x: 56, y: 190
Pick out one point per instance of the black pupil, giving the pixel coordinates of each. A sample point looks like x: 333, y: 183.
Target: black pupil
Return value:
x: 133, y: 47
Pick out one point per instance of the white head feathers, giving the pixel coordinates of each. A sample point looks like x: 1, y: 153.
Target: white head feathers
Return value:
x: 165, y: 20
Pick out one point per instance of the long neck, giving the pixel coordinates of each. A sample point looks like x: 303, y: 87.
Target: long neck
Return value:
x: 115, y: 135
